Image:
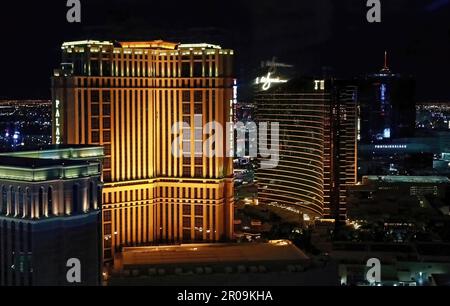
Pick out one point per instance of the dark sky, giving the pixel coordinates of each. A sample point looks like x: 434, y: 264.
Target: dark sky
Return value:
x: 310, y: 34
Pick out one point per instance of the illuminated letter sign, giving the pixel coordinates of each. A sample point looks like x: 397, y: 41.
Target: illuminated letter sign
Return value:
x: 319, y: 85
x: 57, y: 123
x: 268, y: 80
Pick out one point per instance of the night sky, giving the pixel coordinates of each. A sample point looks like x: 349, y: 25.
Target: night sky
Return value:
x: 313, y: 35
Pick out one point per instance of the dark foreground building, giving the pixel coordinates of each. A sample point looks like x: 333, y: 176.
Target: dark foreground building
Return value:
x: 50, y: 212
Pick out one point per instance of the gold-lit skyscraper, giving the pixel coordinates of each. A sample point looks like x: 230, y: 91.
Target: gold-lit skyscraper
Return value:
x: 127, y: 96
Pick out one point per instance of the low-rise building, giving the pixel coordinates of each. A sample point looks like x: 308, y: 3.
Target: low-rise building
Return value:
x: 50, y: 215
x: 400, y: 264
x: 275, y: 263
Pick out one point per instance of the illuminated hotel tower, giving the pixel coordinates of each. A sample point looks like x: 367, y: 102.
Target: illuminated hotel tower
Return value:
x: 127, y: 96
x: 317, y: 148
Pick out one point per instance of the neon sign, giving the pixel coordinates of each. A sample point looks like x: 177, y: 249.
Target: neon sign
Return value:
x: 57, y: 123
x: 383, y: 92
x: 387, y: 133
x: 319, y: 85
x: 267, y: 81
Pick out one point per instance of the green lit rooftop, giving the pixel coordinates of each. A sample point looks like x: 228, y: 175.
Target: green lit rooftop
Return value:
x: 51, y: 163
x: 59, y: 152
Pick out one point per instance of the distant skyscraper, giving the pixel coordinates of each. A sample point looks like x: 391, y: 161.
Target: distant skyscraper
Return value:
x: 344, y: 158
x: 387, y: 106
x: 50, y: 212
x: 317, y: 145
x: 127, y: 96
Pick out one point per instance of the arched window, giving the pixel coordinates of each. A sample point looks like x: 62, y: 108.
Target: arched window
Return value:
x: 50, y: 201
x: 28, y: 203
x: 21, y: 202
x: 75, y: 198
x: 91, y: 196
x: 4, y: 203
x: 99, y: 197
x: 41, y: 203
x: 12, y: 196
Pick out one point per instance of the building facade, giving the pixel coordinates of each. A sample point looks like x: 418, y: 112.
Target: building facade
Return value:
x: 386, y: 106
x: 386, y: 117
x: 317, y: 147
x: 50, y: 212
x: 127, y: 97
x: 344, y: 160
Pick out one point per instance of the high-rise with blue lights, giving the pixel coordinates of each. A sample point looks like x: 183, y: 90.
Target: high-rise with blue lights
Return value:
x: 387, y: 106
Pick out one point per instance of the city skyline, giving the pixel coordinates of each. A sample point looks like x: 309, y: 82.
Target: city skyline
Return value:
x: 258, y: 31
x: 289, y: 143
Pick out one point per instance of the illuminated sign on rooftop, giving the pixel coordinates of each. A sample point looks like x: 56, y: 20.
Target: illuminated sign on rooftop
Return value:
x: 391, y: 147
x: 319, y: 85
x: 199, y: 46
x: 267, y: 81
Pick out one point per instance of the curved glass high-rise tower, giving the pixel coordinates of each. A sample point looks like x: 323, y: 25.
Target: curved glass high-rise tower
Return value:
x: 299, y: 177
x: 317, y: 146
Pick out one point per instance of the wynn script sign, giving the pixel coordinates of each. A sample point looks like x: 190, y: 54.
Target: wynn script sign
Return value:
x: 267, y: 81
